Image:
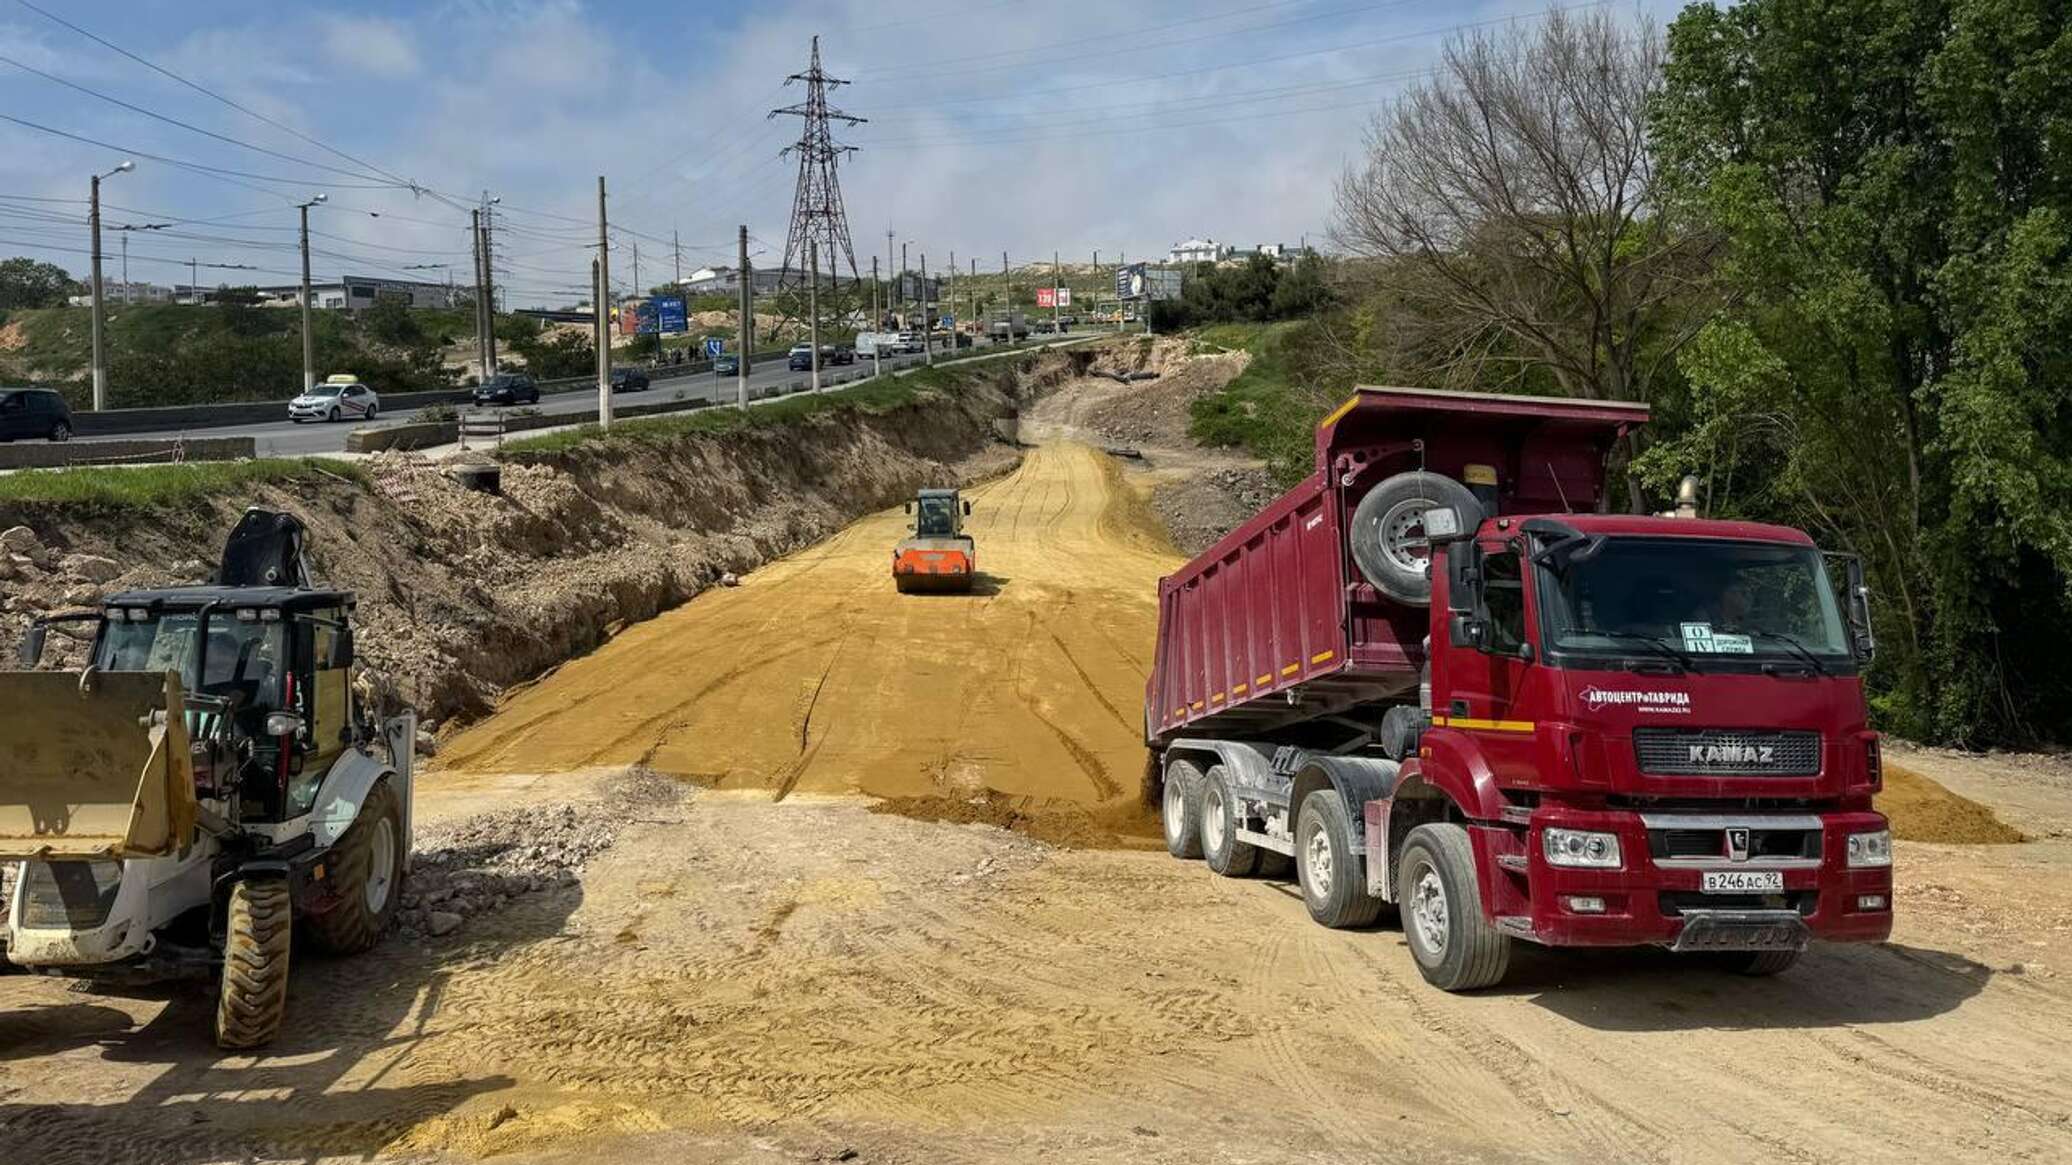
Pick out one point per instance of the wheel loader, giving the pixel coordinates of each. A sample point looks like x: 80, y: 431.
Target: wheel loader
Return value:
x: 940, y: 556
x: 206, y: 797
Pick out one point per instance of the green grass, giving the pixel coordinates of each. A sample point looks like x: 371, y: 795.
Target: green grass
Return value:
x: 152, y: 486
x: 1269, y: 410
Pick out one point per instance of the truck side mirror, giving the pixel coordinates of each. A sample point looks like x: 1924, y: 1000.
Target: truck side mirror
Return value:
x: 967, y: 509
x: 342, y: 648
x: 1857, y: 608
x: 32, y: 644
x: 1463, y: 577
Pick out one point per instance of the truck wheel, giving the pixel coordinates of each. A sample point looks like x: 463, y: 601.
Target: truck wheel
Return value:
x: 1756, y: 964
x: 1388, y: 538
x: 1219, y: 844
x: 366, y: 870
x: 1332, y: 875
x: 1456, y: 949
x: 1179, y: 808
x: 253, y: 991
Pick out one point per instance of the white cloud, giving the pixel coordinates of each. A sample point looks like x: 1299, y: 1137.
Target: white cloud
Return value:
x: 371, y: 46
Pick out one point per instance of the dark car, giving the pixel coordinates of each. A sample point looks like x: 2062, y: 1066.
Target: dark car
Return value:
x: 841, y: 354
x: 801, y: 359
x: 726, y: 364
x: 507, y: 388
x: 34, y: 414
x: 629, y: 380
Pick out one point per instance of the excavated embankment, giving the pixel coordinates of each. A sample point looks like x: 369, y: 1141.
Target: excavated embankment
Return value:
x: 464, y: 594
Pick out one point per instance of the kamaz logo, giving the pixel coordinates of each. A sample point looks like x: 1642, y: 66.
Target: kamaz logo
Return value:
x: 1733, y: 754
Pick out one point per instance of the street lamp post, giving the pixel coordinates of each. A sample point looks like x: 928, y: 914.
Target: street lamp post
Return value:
x: 100, y: 353
x: 309, y: 350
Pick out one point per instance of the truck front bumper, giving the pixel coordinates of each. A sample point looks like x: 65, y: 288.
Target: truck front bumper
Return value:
x: 1658, y: 896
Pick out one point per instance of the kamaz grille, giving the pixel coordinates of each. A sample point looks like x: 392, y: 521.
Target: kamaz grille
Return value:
x: 68, y: 895
x: 1693, y: 844
x: 1720, y: 752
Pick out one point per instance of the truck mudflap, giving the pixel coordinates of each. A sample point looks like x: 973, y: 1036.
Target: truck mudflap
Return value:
x: 97, y: 765
x: 1742, y: 930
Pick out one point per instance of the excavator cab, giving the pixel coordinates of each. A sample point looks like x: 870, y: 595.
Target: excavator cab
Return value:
x: 940, y: 556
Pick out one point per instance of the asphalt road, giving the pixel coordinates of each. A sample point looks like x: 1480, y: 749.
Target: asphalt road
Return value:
x: 285, y: 438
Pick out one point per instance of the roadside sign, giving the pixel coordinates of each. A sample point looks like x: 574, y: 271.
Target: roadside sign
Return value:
x: 1064, y: 297
x: 1129, y: 282
x: 1046, y: 297
x: 714, y: 346
x: 948, y: 321
x: 670, y: 315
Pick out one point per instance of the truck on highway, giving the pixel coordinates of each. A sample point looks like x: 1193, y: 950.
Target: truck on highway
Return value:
x: 1436, y: 677
x: 1006, y: 327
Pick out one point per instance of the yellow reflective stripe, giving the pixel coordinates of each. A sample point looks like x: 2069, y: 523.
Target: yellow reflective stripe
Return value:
x: 1197, y: 705
x: 1321, y: 656
x: 1340, y: 411
x: 1291, y: 669
x: 1264, y: 680
x: 1239, y: 688
x: 1179, y: 711
x: 1215, y: 697
x: 1484, y: 725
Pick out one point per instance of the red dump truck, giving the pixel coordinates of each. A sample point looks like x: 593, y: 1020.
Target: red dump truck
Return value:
x: 1439, y: 678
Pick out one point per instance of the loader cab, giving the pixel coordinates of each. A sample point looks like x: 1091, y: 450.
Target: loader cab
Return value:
x: 268, y: 673
x: 939, y: 514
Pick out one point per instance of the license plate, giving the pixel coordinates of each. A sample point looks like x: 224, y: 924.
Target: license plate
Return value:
x: 1743, y: 882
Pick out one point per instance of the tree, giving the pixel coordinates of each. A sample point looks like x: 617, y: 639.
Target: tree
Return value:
x: 28, y: 283
x: 1895, y: 367
x: 391, y: 322
x: 561, y: 352
x: 1516, y: 202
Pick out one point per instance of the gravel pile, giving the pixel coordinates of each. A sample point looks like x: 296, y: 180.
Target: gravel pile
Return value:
x: 1202, y: 509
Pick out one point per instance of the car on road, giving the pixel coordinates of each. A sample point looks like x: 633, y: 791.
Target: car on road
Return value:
x: 1068, y: 321
x: 629, y: 380
x: 508, y: 388
x: 339, y: 398
x: 801, y: 359
x: 839, y: 354
x: 726, y: 364
x: 33, y: 413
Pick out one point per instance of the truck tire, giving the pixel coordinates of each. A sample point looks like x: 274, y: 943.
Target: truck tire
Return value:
x: 366, y: 869
x: 1179, y: 806
x: 1455, y: 948
x: 253, y: 991
x: 1388, y: 531
x: 1756, y: 964
x: 1219, y: 844
x: 1334, y: 886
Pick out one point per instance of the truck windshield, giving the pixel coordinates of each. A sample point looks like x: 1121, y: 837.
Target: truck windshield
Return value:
x: 1719, y: 600
x: 935, y: 517
x: 242, y: 656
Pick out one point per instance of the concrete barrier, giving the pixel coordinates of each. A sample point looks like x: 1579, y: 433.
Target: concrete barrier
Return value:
x: 55, y: 455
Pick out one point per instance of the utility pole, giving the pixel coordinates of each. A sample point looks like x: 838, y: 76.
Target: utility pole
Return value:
x: 482, y: 308
x: 746, y: 341
x: 1121, y: 261
x: 888, y: 271
x: 974, y: 304
x: 927, y: 317
x: 604, y: 327
x: 813, y: 310
x: 636, y: 267
x: 1053, y: 292
x: 194, y: 280
x: 125, y: 269
x: 676, y: 239
x: 100, y: 353
x: 600, y: 332
x: 309, y: 357
x: 877, y: 324
x: 949, y: 297
x: 904, y: 297
x: 489, y: 360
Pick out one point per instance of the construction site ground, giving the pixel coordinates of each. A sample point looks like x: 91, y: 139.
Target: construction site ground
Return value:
x: 773, y: 916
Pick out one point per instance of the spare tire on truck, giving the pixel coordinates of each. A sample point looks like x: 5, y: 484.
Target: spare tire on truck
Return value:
x: 1388, y: 538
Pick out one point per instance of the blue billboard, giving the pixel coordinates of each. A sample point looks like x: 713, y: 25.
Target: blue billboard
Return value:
x: 664, y: 314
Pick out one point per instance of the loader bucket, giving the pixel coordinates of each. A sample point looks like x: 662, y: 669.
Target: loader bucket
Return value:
x: 94, y: 770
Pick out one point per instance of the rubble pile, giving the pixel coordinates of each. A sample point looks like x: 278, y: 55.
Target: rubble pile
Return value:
x: 486, y: 862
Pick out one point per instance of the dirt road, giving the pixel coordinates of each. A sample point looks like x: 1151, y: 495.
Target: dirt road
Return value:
x: 744, y: 978
x: 814, y: 675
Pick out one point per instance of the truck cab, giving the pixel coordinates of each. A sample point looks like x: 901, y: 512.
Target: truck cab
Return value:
x: 1439, y: 675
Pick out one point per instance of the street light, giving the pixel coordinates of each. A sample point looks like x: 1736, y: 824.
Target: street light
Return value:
x: 309, y: 356
x: 100, y: 352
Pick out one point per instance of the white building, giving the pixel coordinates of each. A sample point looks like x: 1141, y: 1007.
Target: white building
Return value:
x: 1195, y: 251
x: 360, y: 291
x: 118, y: 292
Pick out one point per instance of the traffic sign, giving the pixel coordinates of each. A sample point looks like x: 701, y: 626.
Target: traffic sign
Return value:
x: 713, y: 347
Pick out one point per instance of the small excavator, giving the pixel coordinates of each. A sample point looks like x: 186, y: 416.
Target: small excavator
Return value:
x: 940, y: 557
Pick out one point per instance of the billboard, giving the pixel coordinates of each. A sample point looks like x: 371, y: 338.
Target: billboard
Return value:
x: 1143, y: 281
x: 663, y: 314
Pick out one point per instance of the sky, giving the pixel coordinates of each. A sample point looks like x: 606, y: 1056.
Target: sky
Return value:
x: 1026, y: 127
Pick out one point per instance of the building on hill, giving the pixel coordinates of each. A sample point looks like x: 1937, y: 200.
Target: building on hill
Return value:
x: 1196, y: 251
x: 355, y: 292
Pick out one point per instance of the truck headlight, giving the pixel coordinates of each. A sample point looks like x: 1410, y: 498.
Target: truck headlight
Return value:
x: 1870, y: 849
x: 1580, y: 847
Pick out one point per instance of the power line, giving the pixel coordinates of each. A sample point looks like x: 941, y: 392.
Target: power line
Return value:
x: 198, y: 167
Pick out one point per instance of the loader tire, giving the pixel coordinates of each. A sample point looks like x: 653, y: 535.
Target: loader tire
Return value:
x: 1388, y: 531
x: 366, y: 870
x: 1179, y: 806
x: 1454, y: 946
x: 1220, y: 846
x: 1330, y: 869
x: 253, y: 992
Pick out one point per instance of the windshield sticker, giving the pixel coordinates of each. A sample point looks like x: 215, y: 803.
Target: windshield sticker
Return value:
x: 1701, y: 637
x: 1669, y: 703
